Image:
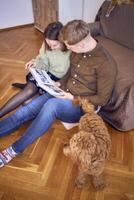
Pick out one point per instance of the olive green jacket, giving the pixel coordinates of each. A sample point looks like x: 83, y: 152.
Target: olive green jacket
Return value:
x: 57, y: 62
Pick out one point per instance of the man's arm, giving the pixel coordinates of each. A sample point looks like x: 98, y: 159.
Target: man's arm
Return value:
x: 64, y: 80
x: 106, y: 77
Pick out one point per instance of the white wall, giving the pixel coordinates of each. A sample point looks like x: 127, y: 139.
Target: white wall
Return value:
x: 19, y: 12
x: 69, y: 10
x: 78, y: 9
x: 15, y: 13
x: 90, y: 9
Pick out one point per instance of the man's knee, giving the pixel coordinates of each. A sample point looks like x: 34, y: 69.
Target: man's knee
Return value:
x: 52, y: 105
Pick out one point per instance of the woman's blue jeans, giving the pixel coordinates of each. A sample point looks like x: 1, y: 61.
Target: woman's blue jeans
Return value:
x: 43, y: 110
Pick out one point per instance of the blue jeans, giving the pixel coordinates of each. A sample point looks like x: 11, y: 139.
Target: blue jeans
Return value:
x: 43, y: 110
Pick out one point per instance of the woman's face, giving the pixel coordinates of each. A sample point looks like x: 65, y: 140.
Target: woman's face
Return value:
x: 54, y: 44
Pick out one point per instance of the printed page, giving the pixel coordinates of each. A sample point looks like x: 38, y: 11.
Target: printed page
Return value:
x: 45, y: 82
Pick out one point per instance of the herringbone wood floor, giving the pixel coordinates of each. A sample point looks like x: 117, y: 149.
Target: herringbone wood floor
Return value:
x: 42, y: 172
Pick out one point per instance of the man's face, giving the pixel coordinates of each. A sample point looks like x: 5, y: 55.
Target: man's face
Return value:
x: 77, y: 48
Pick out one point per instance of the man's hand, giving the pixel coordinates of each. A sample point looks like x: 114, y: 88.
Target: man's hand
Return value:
x: 29, y: 64
x: 66, y: 95
x: 57, y: 83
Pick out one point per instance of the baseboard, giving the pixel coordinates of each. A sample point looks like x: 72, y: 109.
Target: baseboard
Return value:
x: 16, y: 27
x: 39, y: 29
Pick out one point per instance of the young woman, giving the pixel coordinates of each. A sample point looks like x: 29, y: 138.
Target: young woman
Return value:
x: 53, y: 57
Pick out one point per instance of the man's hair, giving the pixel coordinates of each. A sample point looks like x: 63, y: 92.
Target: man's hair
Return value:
x: 74, y: 31
x: 52, y: 33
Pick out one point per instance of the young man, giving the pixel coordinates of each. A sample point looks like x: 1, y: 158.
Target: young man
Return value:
x: 93, y: 71
x: 92, y: 75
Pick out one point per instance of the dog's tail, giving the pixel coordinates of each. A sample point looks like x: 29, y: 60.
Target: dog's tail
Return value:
x: 87, y: 106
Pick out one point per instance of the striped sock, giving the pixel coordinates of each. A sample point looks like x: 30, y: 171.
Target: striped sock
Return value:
x: 6, y: 156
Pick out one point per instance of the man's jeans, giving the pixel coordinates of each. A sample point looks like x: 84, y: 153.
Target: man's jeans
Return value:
x: 43, y: 110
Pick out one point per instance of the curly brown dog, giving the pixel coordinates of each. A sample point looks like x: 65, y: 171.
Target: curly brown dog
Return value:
x: 90, y: 147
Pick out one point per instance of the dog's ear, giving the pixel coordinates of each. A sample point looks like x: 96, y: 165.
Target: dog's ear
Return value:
x: 85, y: 159
x: 88, y: 146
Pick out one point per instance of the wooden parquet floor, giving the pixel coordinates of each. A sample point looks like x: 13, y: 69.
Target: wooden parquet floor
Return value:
x: 42, y: 172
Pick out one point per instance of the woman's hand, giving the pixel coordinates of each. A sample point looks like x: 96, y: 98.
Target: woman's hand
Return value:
x: 29, y: 64
x: 66, y: 95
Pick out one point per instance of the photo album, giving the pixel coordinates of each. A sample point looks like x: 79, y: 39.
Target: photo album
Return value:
x: 45, y: 82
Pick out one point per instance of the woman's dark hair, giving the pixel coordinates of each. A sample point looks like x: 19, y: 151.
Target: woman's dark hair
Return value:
x: 52, y: 33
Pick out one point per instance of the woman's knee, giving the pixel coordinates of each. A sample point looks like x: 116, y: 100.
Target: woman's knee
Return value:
x: 30, y: 89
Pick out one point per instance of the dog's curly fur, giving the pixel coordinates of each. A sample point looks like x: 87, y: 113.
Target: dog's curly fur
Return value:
x: 90, y: 147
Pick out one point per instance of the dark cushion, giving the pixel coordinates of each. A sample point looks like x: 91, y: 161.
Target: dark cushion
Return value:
x: 124, y: 58
x: 119, y: 26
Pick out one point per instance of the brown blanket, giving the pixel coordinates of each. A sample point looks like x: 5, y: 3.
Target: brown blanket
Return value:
x: 119, y: 111
x: 117, y: 36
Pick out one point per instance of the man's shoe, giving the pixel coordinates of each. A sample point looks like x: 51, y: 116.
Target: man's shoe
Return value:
x: 19, y: 85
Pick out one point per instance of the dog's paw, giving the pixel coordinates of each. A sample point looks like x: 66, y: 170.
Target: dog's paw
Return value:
x: 99, y: 183
x: 80, y: 183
